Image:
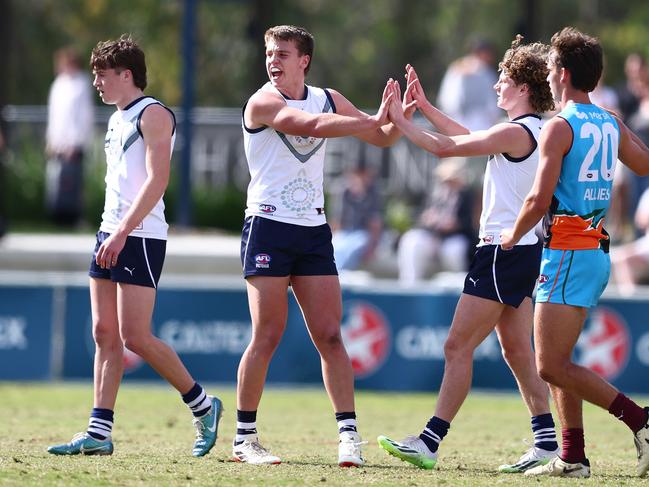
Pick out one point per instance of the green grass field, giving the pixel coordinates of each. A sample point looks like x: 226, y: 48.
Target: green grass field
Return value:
x: 153, y: 437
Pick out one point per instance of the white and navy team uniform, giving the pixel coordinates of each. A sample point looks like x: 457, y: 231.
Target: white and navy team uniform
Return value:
x: 506, y: 276
x: 141, y: 260
x: 285, y: 231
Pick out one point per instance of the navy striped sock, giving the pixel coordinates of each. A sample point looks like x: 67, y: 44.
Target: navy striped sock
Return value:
x: 434, y: 433
x: 100, y: 424
x: 246, y: 426
x: 346, y: 422
x: 544, y: 435
x: 197, y: 400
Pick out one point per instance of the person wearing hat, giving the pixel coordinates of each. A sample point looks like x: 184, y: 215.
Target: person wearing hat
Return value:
x: 445, y: 228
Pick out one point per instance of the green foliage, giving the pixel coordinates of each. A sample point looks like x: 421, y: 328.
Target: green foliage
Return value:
x: 359, y: 44
x: 25, y: 184
x: 221, y: 208
x: 153, y: 437
x: 25, y: 172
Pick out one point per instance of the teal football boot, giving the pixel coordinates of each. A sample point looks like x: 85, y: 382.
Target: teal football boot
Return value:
x: 207, y: 427
x: 83, y: 443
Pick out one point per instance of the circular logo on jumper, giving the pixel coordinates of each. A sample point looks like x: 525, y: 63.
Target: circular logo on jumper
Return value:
x: 366, y: 335
x: 299, y: 194
x: 604, y: 344
x: 131, y: 360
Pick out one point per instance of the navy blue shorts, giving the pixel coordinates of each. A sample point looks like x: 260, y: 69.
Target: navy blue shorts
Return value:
x: 140, y: 261
x: 272, y: 248
x: 506, y: 276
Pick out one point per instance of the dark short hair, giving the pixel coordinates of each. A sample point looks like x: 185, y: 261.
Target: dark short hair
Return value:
x: 120, y: 54
x: 302, y: 38
x: 526, y: 64
x: 581, y: 55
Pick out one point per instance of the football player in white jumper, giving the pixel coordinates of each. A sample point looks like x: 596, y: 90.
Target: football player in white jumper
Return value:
x: 499, y: 285
x: 286, y: 240
x: 130, y: 250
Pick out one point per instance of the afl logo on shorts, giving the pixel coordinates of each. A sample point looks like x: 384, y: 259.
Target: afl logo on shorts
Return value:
x: 262, y: 261
x: 604, y: 344
x: 366, y: 335
x: 267, y: 208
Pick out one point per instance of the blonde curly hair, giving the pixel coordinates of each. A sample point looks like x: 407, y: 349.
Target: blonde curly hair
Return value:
x: 526, y: 64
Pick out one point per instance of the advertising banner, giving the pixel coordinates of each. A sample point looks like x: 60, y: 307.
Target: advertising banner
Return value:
x: 395, y: 339
x: 25, y: 332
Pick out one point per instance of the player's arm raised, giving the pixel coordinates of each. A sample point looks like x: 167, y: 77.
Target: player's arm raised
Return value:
x: 508, y: 138
x: 442, y: 122
x: 554, y: 143
x: 385, y: 134
x: 269, y: 109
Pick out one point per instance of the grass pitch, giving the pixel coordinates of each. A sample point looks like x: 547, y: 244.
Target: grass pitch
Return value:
x: 153, y: 436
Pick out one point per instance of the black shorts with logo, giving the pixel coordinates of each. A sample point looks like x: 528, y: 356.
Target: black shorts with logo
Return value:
x: 506, y: 276
x: 140, y: 261
x: 273, y: 248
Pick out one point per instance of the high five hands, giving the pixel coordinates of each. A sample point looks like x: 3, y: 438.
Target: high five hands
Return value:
x: 414, y: 97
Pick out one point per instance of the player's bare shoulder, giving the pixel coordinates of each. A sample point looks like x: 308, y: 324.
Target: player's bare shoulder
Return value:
x: 156, y: 119
x: 262, y: 107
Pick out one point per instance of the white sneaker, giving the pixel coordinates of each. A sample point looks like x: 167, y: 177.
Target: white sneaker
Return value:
x: 641, y: 440
x: 558, y: 468
x: 250, y: 451
x: 349, y: 450
x: 411, y: 449
x: 530, y: 459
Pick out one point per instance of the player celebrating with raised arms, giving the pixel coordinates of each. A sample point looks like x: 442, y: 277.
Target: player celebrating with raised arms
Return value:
x: 498, y: 288
x: 579, y: 148
x: 286, y: 240
x: 130, y: 250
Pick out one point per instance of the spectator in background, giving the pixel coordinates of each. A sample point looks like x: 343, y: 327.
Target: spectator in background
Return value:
x: 359, y: 222
x: 70, y: 120
x: 466, y: 93
x: 639, y: 123
x: 630, y: 262
x: 445, y: 229
x: 628, y: 93
x: 605, y: 96
x: 619, y: 215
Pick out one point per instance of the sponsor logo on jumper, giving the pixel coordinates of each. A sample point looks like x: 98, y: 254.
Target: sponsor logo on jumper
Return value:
x: 366, y: 335
x: 262, y: 261
x: 488, y: 239
x: 543, y: 278
x: 264, y: 208
x: 605, y: 343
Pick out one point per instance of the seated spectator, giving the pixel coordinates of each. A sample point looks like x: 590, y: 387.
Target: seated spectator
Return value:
x: 630, y: 262
x: 445, y: 230
x: 359, y: 221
